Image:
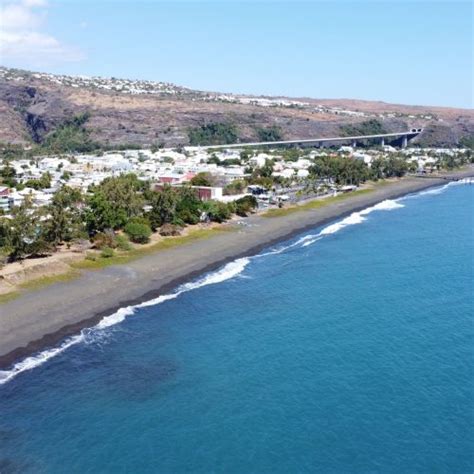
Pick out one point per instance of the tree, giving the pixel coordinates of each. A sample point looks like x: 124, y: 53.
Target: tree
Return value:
x: 213, y: 133
x: 265, y: 171
x: 70, y: 136
x: 64, y: 218
x: 25, y: 236
x: 245, y: 205
x: 114, y: 202
x: 66, y: 176
x: 235, y: 187
x: 163, y: 207
x: 42, y: 183
x: 188, y: 207
x: 8, y: 175
x: 202, y: 179
x: 217, y: 211
x: 269, y: 134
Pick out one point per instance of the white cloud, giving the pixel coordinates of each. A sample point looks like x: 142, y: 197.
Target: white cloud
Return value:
x: 23, y: 39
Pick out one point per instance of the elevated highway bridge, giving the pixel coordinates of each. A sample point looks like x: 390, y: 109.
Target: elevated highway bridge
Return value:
x: 405, y: 136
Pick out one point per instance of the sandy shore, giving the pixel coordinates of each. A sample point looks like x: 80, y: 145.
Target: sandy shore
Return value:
x: 43, y: 317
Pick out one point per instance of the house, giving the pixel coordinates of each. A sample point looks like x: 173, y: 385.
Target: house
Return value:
x: 204, y: 193
x: 6, y: 200
x: 302, y: 173
x: 259, y: 160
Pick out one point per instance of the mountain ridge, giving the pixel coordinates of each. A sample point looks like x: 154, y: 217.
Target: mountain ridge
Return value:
x: 147, y: 113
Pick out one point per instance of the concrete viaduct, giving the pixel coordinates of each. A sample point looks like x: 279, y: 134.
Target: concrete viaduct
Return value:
x: 405, y: 136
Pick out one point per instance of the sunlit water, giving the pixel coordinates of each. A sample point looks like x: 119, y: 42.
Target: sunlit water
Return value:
x: 349, y: 349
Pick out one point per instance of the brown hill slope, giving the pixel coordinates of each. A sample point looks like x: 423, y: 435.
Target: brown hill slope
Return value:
x: 131, y: 112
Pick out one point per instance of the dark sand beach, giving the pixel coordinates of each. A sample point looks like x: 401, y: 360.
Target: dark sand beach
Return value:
x: 43, y: 317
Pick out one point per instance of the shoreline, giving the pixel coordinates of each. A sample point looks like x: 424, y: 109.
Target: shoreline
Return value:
x: 44, y: 317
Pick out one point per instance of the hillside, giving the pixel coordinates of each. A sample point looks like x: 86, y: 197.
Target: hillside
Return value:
x: 145, y: 113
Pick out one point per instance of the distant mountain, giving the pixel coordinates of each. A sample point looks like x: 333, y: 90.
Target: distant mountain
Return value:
x: 124, y: 111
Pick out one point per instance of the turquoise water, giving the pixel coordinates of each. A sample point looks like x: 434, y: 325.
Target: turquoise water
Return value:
x: 349, y: 349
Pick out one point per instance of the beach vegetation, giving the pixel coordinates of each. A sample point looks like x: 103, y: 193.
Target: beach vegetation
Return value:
x: 23, y: 235
x: 107, y: 252
x: 170, y: 230
x: 138, y: 230
x: 64, y: 218
x: 112, y: 203
x: 163, y: 206
x: 245, y: 205
x: 218, y: 211
x: 103, y: 239
x: 123, y: 242
x: 188, y: 206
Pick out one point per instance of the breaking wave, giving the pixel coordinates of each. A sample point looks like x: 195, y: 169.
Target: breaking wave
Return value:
x: 438, y: 189
x: 352, y: 219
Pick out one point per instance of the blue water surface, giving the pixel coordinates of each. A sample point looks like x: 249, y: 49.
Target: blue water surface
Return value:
x: 353, y: 354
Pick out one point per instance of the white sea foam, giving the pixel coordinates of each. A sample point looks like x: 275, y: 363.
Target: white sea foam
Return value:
x: 439, y: 189
x: 36, y: 360
x: 354, y: 219
x: 89, y: 335
x: 311, y: 241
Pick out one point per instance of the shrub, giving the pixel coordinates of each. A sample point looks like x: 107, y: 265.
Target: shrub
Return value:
x: 168, y: 230
x: 91, y: 256
x: 104, y: 239
x: 186, y: 216
x: 107, y: 252
x: 213, y: 133
x: 202, y: 179
x: 236, y: 187
x: 139, y: 232
x: 4, y: 254
x: 245, y: 205
x: 269, y: 134
x: 218, y: 211
x: 122, y: 242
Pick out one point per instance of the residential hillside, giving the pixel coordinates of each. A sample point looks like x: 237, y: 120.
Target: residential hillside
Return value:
x: 145, y: 113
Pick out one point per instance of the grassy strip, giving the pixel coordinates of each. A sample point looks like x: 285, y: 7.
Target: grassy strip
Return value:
x: 38, y: 283
x: 125, y: 257
x: 49, y: 280
x: 119, y: 258
x: 315, y: 204
x: 6, y: 297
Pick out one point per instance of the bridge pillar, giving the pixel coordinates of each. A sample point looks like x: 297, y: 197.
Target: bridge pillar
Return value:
x: 404, y: 141
x: 354, y: 143
x: 382, y: 141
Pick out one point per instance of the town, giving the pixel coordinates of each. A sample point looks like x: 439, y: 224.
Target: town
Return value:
x: 274, y: 176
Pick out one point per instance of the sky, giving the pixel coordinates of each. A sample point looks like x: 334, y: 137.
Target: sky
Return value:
x: 409, y: 52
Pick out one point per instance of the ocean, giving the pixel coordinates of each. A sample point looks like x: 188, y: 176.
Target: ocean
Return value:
x: 349, y: 349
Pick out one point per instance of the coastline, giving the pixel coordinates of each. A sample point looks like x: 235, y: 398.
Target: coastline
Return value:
x: 44, y: 317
